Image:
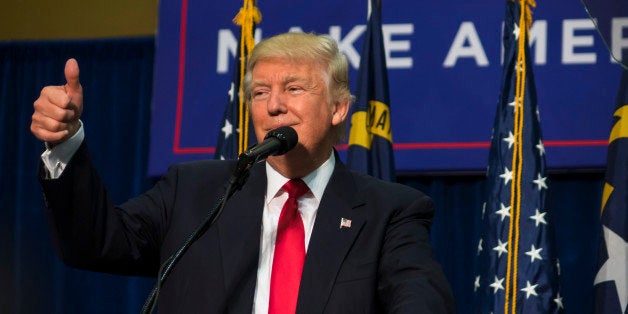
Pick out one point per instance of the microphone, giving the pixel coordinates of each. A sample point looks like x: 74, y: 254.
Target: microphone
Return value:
x: 277, y: 142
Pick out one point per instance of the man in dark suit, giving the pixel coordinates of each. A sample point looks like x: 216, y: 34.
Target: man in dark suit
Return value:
x: 357, y: 244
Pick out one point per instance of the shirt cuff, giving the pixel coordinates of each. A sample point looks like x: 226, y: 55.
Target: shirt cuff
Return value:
x: 56, y: 159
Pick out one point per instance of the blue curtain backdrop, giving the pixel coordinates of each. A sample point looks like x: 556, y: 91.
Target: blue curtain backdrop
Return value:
x: 117, y: 78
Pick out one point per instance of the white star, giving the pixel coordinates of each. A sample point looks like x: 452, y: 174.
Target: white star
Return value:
x: 540, y: 182
x: 231, y: 92
x: 529, y: 290
x: 476, y: 284
x: 615, y: 269
x: 504, y: 211
x: 513, y: 103
x: 227, y: 129
x: 501, y: 248
x: 480, y: 246
x: 539, y: 218
x: 497, y: 284
x: 507, y: 175
x: 534, y: 253
x: 559, y: 301
x: 510, y: 139
x: 541, y: 148
x: 516, y: 31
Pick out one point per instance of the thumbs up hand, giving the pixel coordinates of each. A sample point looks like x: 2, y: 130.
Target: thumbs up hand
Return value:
x: 58, y: 108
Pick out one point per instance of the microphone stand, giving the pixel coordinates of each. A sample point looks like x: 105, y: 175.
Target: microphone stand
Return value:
x: 236, y: 181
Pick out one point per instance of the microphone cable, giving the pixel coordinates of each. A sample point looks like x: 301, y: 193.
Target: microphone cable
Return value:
x: 168, y: 265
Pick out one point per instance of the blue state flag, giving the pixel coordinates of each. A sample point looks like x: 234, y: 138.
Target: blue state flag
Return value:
x: 516, y: 266
x: 611, y: 279
x: 236, y: 132
x: 370, y: 138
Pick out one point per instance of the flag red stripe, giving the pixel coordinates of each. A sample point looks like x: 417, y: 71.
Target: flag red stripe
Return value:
x: 433, y: 145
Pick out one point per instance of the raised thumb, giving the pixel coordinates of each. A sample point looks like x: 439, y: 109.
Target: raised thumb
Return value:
x: 71, y: 72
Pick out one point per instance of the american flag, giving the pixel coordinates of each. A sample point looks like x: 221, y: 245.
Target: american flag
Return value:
x: 611, y: 280
x: 370, y: 140
x: 345, y: 223
x: 235, y: 133
x: 517, y: 268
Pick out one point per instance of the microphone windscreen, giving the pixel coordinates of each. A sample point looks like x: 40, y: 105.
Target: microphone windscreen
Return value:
x: 287, y: 136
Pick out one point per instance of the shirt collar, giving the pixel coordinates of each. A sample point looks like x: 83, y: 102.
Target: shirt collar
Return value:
x: 316, y: 180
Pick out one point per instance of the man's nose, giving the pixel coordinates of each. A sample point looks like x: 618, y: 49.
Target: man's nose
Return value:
x: 277, y: 103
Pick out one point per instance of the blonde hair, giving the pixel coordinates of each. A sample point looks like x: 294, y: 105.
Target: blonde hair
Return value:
x: 306, y: 46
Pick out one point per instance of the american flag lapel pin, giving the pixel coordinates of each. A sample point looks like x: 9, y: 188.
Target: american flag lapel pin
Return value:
x: 345, y: 223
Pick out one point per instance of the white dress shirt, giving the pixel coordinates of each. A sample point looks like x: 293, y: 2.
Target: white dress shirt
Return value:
x: 55, y: 159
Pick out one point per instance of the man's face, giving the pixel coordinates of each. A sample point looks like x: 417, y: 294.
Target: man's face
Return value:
x: 295, y: 93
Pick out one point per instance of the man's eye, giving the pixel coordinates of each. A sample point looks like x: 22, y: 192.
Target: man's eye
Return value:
x: 259, y: 94
x: 295, y: 89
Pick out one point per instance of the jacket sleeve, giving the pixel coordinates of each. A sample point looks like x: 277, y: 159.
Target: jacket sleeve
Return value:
x: 89, y: 232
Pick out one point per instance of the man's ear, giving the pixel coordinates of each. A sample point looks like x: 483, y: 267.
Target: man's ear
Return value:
x: 340, y: 111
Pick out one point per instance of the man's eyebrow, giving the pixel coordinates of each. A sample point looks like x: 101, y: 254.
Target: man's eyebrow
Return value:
x: 307, y: 82
x: 293, y: 78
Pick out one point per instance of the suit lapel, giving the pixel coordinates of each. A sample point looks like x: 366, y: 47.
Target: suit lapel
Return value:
x: 239, y: 232
x: 329, y: 243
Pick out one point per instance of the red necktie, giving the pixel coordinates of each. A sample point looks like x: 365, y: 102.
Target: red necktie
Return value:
x: 289, y: 253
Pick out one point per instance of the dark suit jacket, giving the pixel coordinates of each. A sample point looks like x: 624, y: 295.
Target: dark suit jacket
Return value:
x: 382, y: 263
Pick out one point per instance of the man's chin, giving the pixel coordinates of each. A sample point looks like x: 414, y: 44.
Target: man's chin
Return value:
x: 297, y: 155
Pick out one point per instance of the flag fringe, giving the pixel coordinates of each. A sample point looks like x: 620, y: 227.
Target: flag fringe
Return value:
x: 248, y: 16
x: 525, y: 20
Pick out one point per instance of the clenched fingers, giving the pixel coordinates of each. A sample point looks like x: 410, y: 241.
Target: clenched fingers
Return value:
x: 49, y: 130
x: 55, y: 117
x: 58, y: 113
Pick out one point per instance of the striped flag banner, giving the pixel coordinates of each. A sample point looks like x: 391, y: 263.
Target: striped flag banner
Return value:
x: 516, y: 267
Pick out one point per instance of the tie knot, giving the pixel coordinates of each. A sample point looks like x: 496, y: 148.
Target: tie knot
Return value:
x: 295, y: 188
